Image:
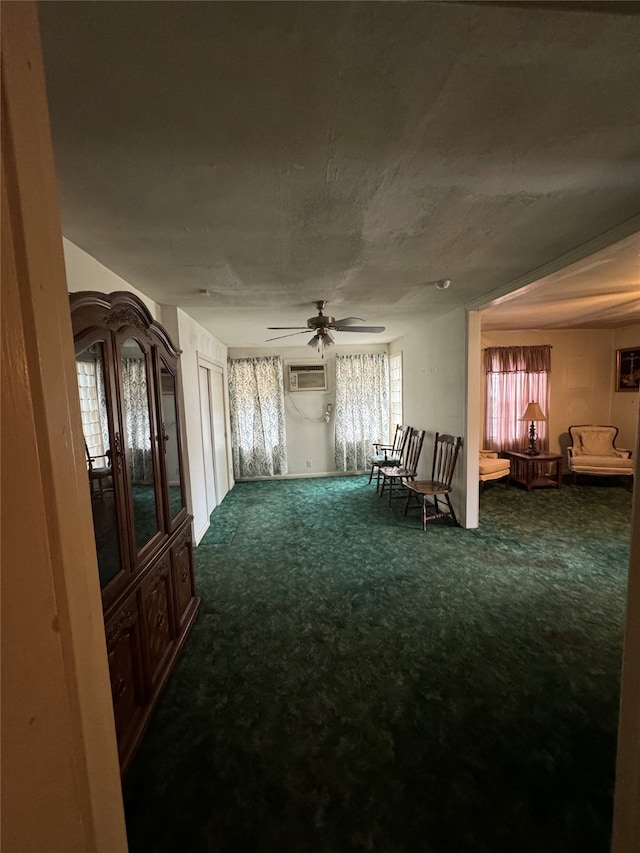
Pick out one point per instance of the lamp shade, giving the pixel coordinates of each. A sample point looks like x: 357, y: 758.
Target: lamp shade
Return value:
x: 321, y: 340
x: 533, y: 412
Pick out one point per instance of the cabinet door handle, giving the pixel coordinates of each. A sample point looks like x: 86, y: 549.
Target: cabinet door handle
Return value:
x: 159, y: 620
x: 119, y: 451
x: 119, y: 688
x: 184, y: 575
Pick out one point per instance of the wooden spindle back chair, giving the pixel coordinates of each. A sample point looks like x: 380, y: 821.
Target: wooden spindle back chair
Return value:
x: 98, y: 473
x: 445, y: 456
x: 389, y: 454
x: 394, y: 476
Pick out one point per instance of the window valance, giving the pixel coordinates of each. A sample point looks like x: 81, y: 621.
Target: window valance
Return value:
x: 517, y: 359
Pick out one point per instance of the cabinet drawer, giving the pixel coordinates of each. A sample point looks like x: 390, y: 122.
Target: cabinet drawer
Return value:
x: 182, y: 567
x: 123, y: 651
x: 158, y: 619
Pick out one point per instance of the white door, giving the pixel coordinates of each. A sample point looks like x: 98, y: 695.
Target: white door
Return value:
x: 221, y: 465
x: 207, y: 445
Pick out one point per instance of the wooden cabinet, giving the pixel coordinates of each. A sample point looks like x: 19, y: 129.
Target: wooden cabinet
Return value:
x: 182, y: 570
x: 129, y: 389
x: 125, y: 669
x: 159, y: 617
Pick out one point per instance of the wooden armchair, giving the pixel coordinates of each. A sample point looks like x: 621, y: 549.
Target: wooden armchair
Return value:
x: 593, y: 451
x: 98, y: 473
x: 389, y: 454
x: 394, y: 476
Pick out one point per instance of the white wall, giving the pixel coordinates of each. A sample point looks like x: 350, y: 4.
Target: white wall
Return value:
x: 195, y: 341
x: 306, y: 440
x: 86, y: 273
x: 434, y: 368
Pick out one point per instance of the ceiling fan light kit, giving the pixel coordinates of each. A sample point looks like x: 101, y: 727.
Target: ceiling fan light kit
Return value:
x: 322, y: 340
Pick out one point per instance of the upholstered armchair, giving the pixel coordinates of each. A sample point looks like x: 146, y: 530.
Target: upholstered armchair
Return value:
x: 492, y: 467
x: 593, y: 451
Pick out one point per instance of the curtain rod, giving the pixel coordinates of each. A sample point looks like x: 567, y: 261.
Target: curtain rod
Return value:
x: 515, y: 345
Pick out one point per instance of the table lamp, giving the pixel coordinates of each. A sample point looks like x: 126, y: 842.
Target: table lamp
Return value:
x: 533, y: 413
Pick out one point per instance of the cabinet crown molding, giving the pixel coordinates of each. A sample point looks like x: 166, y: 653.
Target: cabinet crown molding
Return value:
x: 120, y: 309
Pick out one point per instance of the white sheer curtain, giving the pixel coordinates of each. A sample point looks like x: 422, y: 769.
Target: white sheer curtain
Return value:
x: 256, y: 398
x: 362, y: 408
x: 136, y: 418
x: 92, y: 404
x: 515, y: 376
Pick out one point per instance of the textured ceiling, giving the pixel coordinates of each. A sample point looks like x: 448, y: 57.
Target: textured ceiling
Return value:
x: 600, y: 291
x: 274, y: 154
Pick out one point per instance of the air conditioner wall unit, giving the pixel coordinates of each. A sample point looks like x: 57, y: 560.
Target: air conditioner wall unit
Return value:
x: 307, y: 377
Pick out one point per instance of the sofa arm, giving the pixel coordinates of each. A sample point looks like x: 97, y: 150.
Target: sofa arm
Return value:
x: 623, y: 454
x: 489, y: 454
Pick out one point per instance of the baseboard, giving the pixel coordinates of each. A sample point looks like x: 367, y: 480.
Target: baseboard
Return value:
x: 198, y: 536
x: 303, y: 476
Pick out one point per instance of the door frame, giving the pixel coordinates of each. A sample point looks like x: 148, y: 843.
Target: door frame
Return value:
x: 58, y: 741
x: 212, y: 365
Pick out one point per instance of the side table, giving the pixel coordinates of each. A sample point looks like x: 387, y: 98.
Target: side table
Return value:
x: 540, y: 471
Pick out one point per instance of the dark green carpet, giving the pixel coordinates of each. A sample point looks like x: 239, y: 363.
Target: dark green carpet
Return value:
x: 353, y: 683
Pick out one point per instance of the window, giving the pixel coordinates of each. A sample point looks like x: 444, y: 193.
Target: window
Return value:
x: 256, y: 400
x: 515, y: 376
x: 395, y: 391
x: 362, y: 408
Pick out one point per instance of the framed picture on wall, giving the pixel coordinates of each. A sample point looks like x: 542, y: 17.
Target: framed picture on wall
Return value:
x: 628, y: 369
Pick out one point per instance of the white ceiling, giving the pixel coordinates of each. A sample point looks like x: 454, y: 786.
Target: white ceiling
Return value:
x: 276, y: 153
x: 600, y: 291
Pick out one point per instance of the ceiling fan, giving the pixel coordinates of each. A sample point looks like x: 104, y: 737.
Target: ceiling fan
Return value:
x: 323, y: 325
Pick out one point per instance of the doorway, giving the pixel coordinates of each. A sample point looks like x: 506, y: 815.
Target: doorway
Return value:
x: 214, y: 434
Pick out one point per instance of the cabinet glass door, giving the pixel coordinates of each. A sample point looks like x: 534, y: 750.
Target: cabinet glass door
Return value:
x: 137, y: 439
x: 170, y: 431
x: 98, y: 448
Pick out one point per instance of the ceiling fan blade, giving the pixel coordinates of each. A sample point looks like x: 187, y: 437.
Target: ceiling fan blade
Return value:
x: 370, y: 329
x: 277, y: 338
x: 347, y: 321
x: 304, y: 328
